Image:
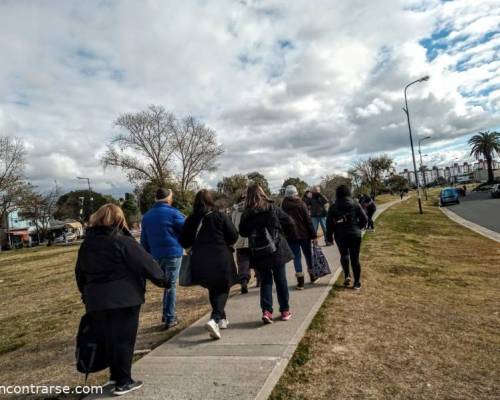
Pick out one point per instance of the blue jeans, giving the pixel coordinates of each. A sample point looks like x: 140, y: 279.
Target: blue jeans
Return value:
x: 296, y: 246
x: 319, y: 221
x: 171, y: 267
x: 266, y: 288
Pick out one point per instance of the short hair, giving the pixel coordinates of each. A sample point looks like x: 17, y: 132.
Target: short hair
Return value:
x: 162, y: 193
x: 342, y: 192
x: 109, y: 215
x: 203, y: 201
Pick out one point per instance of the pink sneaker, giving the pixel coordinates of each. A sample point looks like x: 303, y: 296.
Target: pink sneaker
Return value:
x: 286, y: 315
x: 267, y: 317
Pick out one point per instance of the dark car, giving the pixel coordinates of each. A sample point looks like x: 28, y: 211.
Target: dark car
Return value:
x: 448, y: 196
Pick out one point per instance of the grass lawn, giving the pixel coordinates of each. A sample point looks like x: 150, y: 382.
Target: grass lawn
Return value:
x: 40, y: 309
x: 425, y: 325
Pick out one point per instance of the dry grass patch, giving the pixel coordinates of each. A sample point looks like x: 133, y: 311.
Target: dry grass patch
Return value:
x: 40, y: 308
x: 425, y: 325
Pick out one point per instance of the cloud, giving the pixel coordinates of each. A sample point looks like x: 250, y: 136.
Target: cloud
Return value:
x: 294, y: 90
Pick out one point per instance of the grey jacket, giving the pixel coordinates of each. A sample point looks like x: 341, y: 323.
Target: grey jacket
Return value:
x: 241, y: 243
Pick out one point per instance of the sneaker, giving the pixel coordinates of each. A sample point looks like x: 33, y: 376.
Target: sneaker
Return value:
x: 357, y: 286
x: 223, y: 323
x: 111, y: 382
x: 286, y: 315
x: 267, y: 317
x: 244, y: 286
x: 347, y: 282
x: 213, y: 329
x: 129, y: 387
x: 171, y: 324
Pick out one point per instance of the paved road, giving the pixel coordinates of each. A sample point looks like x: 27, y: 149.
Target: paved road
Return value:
x: 479, y: 208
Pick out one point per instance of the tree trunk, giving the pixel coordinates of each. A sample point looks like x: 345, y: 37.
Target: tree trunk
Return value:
x: 489, y: 163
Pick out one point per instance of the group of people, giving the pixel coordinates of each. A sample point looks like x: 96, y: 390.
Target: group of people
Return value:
x: 112, y: 267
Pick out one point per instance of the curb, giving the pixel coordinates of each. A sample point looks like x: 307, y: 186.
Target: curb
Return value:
x: 278, y: 370
x: 488, y: 233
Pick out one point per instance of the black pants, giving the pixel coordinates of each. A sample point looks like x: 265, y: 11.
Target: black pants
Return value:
x: 120, y: 328
x: 349, y: 247
x: 370, y: 224
x: 218, y: 299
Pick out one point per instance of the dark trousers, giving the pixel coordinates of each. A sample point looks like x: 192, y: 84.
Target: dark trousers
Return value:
x: 243, y: 262
x: 296, y: 246
x: 218, y: 299
x: 369, y: 214
x: 349, y: 247
x: 120, y: 329
x: 278, y: 272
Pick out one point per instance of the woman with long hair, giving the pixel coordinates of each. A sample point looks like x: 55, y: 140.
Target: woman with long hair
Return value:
x: 345, y: 220
x: 111, y: 272
x: 210, y: 234
x: 265, y: 226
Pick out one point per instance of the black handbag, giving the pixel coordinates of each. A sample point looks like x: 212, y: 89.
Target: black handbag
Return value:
x: 90, y: 351
x: 185, y: 274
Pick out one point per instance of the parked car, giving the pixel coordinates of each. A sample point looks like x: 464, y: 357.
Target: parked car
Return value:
x: 448, y: 196
x: 495, y: 190
x: 66, y: 237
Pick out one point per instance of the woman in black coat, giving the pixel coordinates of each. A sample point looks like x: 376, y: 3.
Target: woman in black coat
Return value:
x: 210, y: 234
x: 111, y: 272
x: 345, y: 220
x: 261, y: 215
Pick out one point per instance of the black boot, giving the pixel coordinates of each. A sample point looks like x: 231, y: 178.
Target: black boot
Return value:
x: 300, y: 281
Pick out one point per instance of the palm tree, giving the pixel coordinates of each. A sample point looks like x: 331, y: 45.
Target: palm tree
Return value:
x: 486, y: 144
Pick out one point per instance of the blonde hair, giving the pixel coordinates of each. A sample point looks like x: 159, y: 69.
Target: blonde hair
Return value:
x: 109, y: 215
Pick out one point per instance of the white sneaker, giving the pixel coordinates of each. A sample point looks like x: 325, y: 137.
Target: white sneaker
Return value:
x: 213, y: 329
x: 223, y: 324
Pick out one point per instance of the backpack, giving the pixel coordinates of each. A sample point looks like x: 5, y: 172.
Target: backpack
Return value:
x: 262, y: 242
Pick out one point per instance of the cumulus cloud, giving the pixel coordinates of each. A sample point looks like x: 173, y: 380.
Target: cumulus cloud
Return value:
x: 292, y: 89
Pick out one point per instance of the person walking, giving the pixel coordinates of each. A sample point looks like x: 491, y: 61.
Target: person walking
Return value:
x: 161, y: 229
x: 304, y: 234
x: 344, y: 222
x: 265, y: 226
x: 210, y: 234
x: 317, y: 204
x: 111, y: 272
x: 241, y: 246
x: 369, y: 206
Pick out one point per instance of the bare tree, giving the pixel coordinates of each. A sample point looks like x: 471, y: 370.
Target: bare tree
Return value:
x: 12, y: 164
x: 371, y: 171
x: 197, y: 150
x: 145, y: 149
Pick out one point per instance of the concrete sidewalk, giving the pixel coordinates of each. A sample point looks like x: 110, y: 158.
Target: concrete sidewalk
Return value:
x: 249, y: 359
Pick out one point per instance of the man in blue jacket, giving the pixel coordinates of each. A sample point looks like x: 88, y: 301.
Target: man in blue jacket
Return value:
x: 161, y: 229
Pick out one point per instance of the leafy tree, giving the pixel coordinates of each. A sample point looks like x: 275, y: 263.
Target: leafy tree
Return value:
x: 257, y: 177
x: 330, y: 183
x: 486, y: 144
x: 397, y: 183
x: 231, y: 188
x: 298, y: 183
x: 130, y: 208
x: 370, y: 172
x: 146, y: 194
x: 70, y: 204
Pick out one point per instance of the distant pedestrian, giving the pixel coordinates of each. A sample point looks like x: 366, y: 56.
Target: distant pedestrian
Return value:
x: 304, y: 234
x: 401, y: 194
x: 306, y: 198
x: 317, y: 204
x: 265, y: 226
x: 241, y: 246
x: 344, y: 222
x: 369, y: 206
x: 161, y: 229
x: 210, y: 234
x: 111, y: 272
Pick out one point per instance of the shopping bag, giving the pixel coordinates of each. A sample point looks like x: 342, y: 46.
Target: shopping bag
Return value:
x: 320, y: 265
x: 185, y: 277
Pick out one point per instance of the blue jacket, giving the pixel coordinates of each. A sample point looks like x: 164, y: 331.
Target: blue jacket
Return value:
x: 161, y: 229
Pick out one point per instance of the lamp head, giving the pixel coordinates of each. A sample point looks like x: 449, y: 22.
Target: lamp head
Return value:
x: 425, y: 78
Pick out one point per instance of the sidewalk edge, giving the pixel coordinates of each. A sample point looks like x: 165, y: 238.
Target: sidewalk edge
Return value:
x: 488, y: 233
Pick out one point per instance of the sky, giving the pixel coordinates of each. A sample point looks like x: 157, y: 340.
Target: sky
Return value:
x: 295, y: 88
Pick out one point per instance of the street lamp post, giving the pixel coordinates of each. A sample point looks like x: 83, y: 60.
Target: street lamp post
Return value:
x: 422, y: 164
x: 90, y: 193
x: 407, y: 112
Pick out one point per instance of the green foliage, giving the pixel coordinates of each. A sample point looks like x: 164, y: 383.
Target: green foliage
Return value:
x: 298, y: 183
x: 486, y: 144
x: 69, y: 204
x: 146, y: 194
x: 257, y: 177
x: 330, y: 183
x: 397, y: 183
x: 130, y: 209
x: 369, y: 172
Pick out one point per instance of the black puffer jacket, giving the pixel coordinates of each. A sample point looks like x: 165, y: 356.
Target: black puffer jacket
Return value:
x: 273, y: 219
x: 112, y: 268
x: 212, y: 261
x: 297, y: 210
x: 317, y: 205
x: 345, y: 218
